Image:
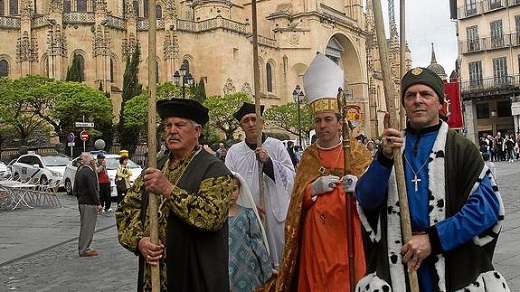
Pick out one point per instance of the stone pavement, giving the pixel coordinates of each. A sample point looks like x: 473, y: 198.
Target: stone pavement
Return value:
x: 38, y: 247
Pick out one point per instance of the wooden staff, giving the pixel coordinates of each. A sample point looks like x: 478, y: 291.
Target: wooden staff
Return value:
x: 256, y: 80
x: 390, y: 99
x: 152, y: 133
x: 342, y: 102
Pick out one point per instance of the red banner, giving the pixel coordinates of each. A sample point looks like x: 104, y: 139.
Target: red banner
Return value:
x: 452, y: 108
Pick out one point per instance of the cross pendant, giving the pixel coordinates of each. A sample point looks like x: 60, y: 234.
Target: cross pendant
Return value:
x: 416, y: 181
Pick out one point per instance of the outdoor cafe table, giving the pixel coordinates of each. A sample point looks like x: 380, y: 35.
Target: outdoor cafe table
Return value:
x: 18, y: 192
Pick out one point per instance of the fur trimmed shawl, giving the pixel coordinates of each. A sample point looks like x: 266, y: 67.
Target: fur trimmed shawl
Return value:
x: 455, y: 171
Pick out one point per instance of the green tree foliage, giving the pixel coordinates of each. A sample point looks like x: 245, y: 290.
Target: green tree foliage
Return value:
x: 35, y: 102
x: 199, y: 91
x: 221, y: 109
x: 285, y: 117
x: 131, y: 88
x: 74, y: 71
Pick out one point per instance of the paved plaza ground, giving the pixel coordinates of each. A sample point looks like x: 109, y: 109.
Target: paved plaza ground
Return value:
x: 38, y: 247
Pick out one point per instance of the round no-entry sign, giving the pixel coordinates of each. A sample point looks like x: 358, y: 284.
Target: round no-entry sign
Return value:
x: 83, y: 135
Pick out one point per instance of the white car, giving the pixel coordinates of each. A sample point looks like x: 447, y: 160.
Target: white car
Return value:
x: 41, y: 166
x: 4, y: 171
x: 112, y: 161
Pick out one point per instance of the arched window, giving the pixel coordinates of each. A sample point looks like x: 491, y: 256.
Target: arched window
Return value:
x: 2, y: 7
x: 145, y: 8
x: 136, y: 8
x: 158, y: 11
x: 4, y: 68
x: 13, y: 7
x: 111, y: 71
x: 81, y: 5
x: 67, y: 6
x: 156, y: 72
x: 269, y: 77
x: 187, y: 66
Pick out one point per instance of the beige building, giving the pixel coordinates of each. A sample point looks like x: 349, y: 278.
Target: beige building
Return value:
x: 211, y: 37
x: 489, y: 60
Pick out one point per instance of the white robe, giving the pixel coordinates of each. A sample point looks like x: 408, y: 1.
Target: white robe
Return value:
x: 240, y: 158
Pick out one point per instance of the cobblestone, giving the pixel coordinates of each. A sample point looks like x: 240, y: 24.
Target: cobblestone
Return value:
x: 38, y: 247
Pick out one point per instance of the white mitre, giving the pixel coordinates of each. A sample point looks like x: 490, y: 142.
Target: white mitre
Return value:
x: 321, y: 82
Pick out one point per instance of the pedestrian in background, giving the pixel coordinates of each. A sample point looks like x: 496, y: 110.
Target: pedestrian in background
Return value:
x: 123, y: 173
x: 249, y: 262
x: 86, y: 189
x: 456, y: 211
x: 194, y: 188
x: 104, y: 183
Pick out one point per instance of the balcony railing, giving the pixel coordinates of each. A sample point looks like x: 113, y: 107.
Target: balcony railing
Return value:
x: 490, y: 84
x: 9, y: 22
x: 484, y: 6
x: 490, y: 43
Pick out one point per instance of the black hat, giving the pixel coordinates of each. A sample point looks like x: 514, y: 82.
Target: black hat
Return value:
x: 247, y: 108
x: 183, y: 108
x: 100, y: 156
x: 424, y: 76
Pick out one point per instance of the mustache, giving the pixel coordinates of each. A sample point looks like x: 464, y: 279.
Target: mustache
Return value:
x: 174, y: 137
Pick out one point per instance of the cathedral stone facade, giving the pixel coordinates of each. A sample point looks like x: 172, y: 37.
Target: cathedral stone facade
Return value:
x: 213, y: 38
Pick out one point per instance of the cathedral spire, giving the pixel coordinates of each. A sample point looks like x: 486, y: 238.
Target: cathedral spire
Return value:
x: 391, y: 18
x: 433, y: 60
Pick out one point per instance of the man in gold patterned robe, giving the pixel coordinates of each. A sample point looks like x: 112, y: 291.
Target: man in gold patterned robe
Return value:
x: 194, y: 187
x: 316, y: 251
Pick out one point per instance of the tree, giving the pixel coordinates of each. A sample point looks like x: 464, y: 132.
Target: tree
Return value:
x: 131, y: 88
x: 74, y: 71
x: 34, y: 103
x: 285, y: 117
x: 199, y: 91
x: 17, y: 110
x: 221, y: 109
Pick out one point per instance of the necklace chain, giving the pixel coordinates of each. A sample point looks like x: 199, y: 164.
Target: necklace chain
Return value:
x: 416, y: 178
x: 323, y: 169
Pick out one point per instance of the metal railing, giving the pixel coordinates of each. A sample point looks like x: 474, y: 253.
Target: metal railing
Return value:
x: 484, y: 6
x: 490, y: 84
x: 489, y: 43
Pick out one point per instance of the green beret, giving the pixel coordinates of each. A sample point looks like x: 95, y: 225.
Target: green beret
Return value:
x: 424, y: 76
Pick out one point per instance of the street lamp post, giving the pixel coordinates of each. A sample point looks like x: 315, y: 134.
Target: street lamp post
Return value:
x: 186, y: 79
x: 298, y: 97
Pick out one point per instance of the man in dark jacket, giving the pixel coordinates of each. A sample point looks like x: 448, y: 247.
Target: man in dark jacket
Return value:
x: 86, y: 188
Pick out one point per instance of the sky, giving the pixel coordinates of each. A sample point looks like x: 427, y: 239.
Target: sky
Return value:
x: 427, y: 22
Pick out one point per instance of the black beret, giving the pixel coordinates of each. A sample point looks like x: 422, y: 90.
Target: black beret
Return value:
x: 424, y: 76
x: 247, y: 108
x: 183, y: 108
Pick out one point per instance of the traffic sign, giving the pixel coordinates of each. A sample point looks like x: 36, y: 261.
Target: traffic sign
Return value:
x: 70, y: 137
x: 84, y: 125
x: 84, y: 135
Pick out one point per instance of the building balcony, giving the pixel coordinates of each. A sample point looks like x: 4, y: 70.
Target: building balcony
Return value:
x: 489, y: 88
x: 482, y: 7
x: 489, y: 43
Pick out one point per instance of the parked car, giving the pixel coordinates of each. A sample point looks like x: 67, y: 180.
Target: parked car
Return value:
x: 112, y: 161
x: 4, y: 171
x: 41, y: 166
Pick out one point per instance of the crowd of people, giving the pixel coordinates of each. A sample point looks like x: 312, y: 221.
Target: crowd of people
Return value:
x: 500, y: 147
x: 257, y: 216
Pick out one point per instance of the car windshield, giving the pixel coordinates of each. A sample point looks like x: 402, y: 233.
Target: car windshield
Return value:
x: 113, y: 163
x: 55, y: 160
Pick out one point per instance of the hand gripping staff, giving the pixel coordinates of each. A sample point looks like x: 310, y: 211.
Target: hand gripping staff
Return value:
x: 394, y: 122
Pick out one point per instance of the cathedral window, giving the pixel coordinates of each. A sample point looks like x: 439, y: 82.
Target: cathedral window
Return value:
x: 1, y: 7
x: 67, y: 6
x: 269, y: 77
x: 111, y: 71
x: 136, y: 8
x: 145, y: 8
x: 13, y: 7
x: 81, y: 6
x: 158, y: 11
x: 4, y: 68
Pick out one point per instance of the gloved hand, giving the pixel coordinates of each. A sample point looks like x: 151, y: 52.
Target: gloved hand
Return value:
x: 349, y: 182
x: 324, y: 184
